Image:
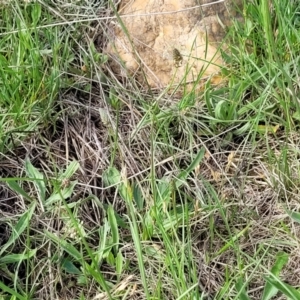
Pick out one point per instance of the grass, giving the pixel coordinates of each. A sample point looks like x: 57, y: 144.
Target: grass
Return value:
x: 108, y: 192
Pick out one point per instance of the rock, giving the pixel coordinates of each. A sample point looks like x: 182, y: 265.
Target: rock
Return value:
x: 171, y: 42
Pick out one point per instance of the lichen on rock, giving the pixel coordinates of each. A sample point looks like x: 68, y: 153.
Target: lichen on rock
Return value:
x: 156, y: 29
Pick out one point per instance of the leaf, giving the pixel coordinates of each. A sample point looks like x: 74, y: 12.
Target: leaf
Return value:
x: 285, y: 288
x: 16, y: 258
x: 281, y: 259
x: 221, y: 110
x: 104, y: 116
x: 16, y: 188
x: 8, y: 290
x: 121, y: 223
x: 69, y: 248
x: 126, y: 191
x: 63, y: 194
x: 99, y: 254
x: 36, y: 13
x: 148, y: 227
x: 294, y: 215
x: 113, y: 98
x: 138, y: 197
x: 82, y: 280
x: 37, y: 178
x: 184, y: 174
x: 270, y: 290
x: 231, y: 242
x: 248, y: 27
x: 164, y: 190
x: 119, y: 263
x: 69, y: 267
x: 267, y: 128
x: 19, y: 228
x: 239, y: 285
x: 155, y: 251
x: 114, y: 228
x: 296, y: 115
x: 70, y: 171
x: 111, y: 176
x: 243, y: 129
x: 110, y: 258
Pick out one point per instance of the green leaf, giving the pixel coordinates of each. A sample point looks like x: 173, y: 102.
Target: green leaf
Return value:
x: 221, y: 109
x: 243, y: 129
x: 108, y: 245
x: 119, y: 263
x: 16, y: 188
x: 281, y: 259
x: 114, y: 100
x: 70, y: 171
x: 99, y: 277
x: 285, y: 288
x: 148, y: 228
x: 138, y: 197
x: 232, y: 240
x: 69, y: 248
x: 10, y: 291
x: 111, y: 176
x: 270, y: 290
x: 110, y: 259
x: 294, y: 215
x: 240, y: 287
x: 164, y: 190
x: 82, y: 280
x: 65, y: 193
x: 121, y: 223
x: 37, y: 178
x: 195, y: 163
x: 114, y: 228
x: 16, y: 258
x: 22, y: 224
x: 103, y: 233
x: 69, y: 267
x: 36, y: 13
x: 296, y: 115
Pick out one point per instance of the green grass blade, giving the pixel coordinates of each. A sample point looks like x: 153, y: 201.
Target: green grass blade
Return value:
x: 112, y: 177
x: 194, y: 164
x: 240, y: 287
x: 22, y: 224
x: 12, y: 292
x: 285, y: 288
x: 114, y: 228
x: 270, y: 290
x: 15, y: 258
x: 38, y: 179
x: 15, y: 187
x: 69, y: 248
x: 70, y: 171
x: 65, y: 193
